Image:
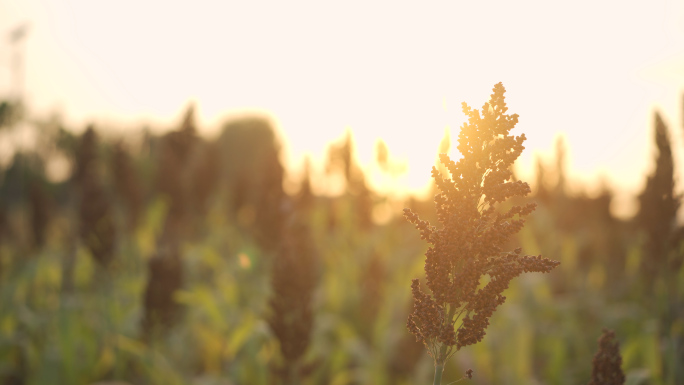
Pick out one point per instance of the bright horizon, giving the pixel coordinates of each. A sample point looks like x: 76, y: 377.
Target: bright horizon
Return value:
x: 593, y: 73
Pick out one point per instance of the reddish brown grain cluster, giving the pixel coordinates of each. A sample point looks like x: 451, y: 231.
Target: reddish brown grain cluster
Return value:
x: 467, y: 251
x: 606, y: 368
x: 294, y: 278
x: 164, y: 277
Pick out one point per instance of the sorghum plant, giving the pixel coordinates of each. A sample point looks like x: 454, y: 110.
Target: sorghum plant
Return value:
x: 294, y: 278
x: 164, y: 277
x: 95, y: 211
x: 469, y: 246
x: 40, y: 211
x: 183, y: 139
x: 165, y: 268
x: 270, y: 215
x: 205, y: 176
x: 658, y: 210
x: 86, y: 154
x: 127, y: 184
x: 176, y: 148
x: 606, y: 364
x: 253, y: 177
x: 305, y: 197
x: 662, y: 253
x: 341, y: 159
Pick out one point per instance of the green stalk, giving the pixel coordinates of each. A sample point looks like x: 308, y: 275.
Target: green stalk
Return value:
x: 293, y: 373
x: 439, y: 369
x: 441, y: 360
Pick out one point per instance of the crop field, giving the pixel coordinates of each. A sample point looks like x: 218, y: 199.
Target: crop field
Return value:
x: 181, y: 259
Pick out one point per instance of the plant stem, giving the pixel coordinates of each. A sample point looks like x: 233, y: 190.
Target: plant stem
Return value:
x: 439, y: 369
x: 293, y: 373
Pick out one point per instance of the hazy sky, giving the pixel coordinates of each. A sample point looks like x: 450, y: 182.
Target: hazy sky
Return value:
x: 591, y: 70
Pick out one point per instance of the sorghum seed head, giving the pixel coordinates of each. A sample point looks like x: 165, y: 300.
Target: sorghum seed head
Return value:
x: 606, y: 365
x: 469, y: 244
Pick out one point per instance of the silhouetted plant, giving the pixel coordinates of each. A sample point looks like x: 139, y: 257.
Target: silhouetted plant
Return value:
x: 468, y: 247
x: 97, y: 227
x: 164, y: 277
x: 170, y: 185
x: 560, y: 166
x: 270, y: 215
x: 127, y: 184
x: 341, y: 160
x: 294, y: 278
x: 600, y: 236
x: 606, y: 365
x: 86, y: 154
x: 254, y: 178
x: 172, y: 171
x: 254, y: 175
x: 663, y: 256
x: 205, y: 176
x: 305, y: 197
x: 364, y: 202
x: 40, y: 211
x: 182, y: 140
x: 165, y: 270
x: 658, y: 205
x: 384, y: 161
x: 542, y: 194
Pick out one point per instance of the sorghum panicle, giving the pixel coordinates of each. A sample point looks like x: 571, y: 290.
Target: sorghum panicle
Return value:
x: 469, y: 245
x: 127, y: 184
x: 606, y: 365
x: 165, y: 268
x: 270, y: 210
x: 294, y: 278
x: 172, y: 173
x: 658, y: 205
x: 95, y: 211
x: 164, y: 277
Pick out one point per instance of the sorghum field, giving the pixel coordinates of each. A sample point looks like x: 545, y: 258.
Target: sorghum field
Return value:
x: 180, y: 259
